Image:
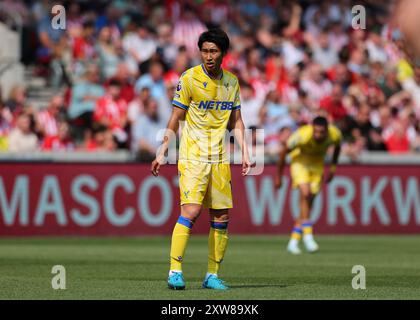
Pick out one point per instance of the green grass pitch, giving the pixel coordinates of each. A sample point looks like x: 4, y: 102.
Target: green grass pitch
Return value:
x: 256, y: 267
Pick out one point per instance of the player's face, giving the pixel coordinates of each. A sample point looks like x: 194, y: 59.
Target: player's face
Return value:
x: 212, y: 57
x: 319, y: 133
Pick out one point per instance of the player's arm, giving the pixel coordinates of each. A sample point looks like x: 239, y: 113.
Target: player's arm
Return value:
x: 280, y: 165
x: 337, y: 138
x: 181, y: 102
x: 334, y: 161
x: 292, y: 143
x: 239, y: 132
x: 177, y: 115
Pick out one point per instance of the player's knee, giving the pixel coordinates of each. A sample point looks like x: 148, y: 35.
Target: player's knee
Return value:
x: 312, y: 197
x: 191, y: 212
x: 308, y: 197
x: 219, y: 220
x: 219, y: 215
x: 193, y: 216
x: 305, y: 194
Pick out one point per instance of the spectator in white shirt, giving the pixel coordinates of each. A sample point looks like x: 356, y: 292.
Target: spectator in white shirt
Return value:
x: 136, y: 106
x: 153, y: 79
x: 375, y: 47
x: 250, y: 106
x: 323, y: 52
x: 21, y: 138
x: 315, y: 85
x: 187, y: 30
x: 145, y: 132
x: 139, y: 46
x: 166, y: 45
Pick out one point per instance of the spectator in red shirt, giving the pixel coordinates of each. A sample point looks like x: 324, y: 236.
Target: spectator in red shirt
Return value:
x: 333, y: 104
x: 47, y: 119
x: 124, y: 77
x: 397, y: 141
x: 111, y: 110
x: 101, y: 139
x: 59, y: 142
x: 340, y: 74
x: 84, y: 44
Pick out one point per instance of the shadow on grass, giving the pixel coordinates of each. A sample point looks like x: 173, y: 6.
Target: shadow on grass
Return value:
x: 197, y: 287
x: 254, y: 286
x: 78, y: 262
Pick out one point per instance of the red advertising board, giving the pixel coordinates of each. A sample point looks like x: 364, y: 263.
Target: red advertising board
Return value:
x: 125, y: 199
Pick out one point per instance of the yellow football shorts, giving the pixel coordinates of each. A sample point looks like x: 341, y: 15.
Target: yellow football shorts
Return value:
x: 205, y: 183
x: 307, y: 173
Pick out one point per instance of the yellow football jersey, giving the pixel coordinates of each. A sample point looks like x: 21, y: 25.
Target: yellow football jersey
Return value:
x: 209, y: 103
x: 306, y: 150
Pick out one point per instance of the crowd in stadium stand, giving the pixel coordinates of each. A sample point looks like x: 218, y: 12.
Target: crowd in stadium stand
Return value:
x: 119, y: 63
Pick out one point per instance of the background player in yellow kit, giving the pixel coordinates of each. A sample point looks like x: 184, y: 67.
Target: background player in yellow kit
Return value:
x: 207, y: 98
x: 308, y: 147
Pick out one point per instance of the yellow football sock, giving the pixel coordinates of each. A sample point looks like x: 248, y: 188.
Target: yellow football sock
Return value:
x: 218, y: 240
x: 307, y: 227
x: 296, y: 233
x: 180, y: 237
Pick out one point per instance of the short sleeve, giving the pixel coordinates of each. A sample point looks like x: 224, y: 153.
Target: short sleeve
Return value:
x: 294, y: 140
x: 182, y: 95
x: 336, y: 136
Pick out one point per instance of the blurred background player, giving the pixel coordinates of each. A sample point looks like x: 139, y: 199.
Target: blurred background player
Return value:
x: 207, y: 98
x: 307, y: 147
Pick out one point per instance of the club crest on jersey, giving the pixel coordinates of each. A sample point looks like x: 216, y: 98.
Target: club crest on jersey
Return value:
x: 205, y: 84
x: 178, y: 87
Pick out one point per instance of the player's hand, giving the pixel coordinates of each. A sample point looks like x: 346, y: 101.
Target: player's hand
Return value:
x: 329, y: 177
x: 278, y: 182
x: 246, y: 166
x: 156, y: 166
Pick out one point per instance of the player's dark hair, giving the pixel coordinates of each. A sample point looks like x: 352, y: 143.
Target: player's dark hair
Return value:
x: 320, y: 121
x: 216, y: 36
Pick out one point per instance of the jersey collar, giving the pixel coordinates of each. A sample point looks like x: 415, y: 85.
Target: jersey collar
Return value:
x: 205, y: 71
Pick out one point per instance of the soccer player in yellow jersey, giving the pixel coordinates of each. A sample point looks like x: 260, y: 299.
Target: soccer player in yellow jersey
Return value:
x: 308, y: 147
x: 207, y: 98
